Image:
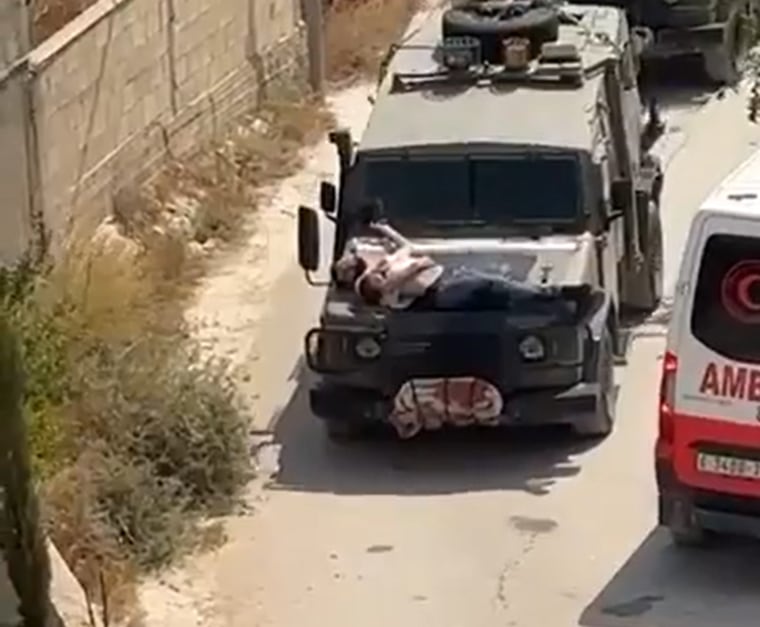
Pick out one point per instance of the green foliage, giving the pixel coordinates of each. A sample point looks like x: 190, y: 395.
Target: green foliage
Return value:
x: 166, y: 440
x: 22, y: 540
x: 134, y: 435
x: 43, y: 349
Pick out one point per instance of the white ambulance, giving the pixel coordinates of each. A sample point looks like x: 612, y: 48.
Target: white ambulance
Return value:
x: 708, y: 445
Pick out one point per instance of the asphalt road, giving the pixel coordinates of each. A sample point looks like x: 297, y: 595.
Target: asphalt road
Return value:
x: 519, y: 529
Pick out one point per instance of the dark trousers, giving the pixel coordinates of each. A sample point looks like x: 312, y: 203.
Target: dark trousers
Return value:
x: 482, y: 292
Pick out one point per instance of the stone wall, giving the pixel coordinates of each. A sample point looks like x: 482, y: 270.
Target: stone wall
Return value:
x: 15, y: 189
x: 129, y: 80
x: 14, y: 33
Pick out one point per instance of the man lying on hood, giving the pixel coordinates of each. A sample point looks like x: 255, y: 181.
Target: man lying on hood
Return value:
x: 404, y: 278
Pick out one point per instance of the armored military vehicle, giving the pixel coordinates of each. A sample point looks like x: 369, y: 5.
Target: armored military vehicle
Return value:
x: 721, y: 31
x: 514, y: 153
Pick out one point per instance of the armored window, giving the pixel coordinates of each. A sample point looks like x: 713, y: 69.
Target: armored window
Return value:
x: 520, y: 189
x: 431, y: 187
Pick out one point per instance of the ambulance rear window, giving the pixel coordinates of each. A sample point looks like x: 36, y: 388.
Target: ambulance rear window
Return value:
x: 726, y: 312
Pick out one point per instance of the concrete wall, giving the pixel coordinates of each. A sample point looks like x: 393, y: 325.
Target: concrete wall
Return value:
x: 14, y: 33
x: 15, y: 209
x: 130, y: 79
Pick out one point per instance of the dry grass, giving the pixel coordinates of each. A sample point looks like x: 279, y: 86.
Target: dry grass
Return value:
x: 48, y: 16
x: 222, y: 183
x: 135, y: 436
x: 359, y: 33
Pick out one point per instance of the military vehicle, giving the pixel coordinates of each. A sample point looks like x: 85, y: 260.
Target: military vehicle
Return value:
x: 721, y: 31
x: 511, y: 152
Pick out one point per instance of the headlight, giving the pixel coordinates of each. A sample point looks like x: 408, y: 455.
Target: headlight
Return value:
x: 532, y: 348
x: 367, y: 348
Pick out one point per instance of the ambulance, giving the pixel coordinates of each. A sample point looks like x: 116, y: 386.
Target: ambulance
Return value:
x: 708, y: 443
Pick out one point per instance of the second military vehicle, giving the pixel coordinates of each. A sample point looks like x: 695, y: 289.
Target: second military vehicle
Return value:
x: 514, y: 152
x: 720, y: 31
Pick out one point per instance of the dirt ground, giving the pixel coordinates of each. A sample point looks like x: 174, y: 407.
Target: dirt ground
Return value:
x: 230, y: 316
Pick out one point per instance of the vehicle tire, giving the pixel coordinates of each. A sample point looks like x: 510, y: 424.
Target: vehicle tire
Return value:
x: 600, y: 423
x: 689, y: 537
x: 723, y: 64
x: 491, y: 22
x: 655, y: 263
x: 644, y: 286
x: 344, y: 431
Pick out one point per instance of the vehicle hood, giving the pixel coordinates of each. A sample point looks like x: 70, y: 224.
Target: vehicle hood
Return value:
x: 558, y: 260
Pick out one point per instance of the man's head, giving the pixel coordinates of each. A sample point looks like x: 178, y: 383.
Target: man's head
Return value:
x: 347, y: 270
x: 369, y: 287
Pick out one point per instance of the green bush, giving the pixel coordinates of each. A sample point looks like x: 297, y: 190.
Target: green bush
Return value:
x: 21, y: 538
x: 134, y: 440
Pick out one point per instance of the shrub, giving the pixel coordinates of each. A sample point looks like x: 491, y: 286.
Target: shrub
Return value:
x: 21, y: 539
x: 135, y: 435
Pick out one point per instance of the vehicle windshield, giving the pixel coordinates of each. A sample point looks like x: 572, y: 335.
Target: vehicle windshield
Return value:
x: 475, y: 190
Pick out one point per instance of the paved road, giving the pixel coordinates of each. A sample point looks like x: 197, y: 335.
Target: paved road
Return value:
x: 523, y: 530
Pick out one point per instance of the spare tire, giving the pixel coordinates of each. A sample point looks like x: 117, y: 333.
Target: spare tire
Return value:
x: 491, y: 22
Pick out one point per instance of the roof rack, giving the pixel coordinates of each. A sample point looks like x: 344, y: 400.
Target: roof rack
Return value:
x: 460, y: 62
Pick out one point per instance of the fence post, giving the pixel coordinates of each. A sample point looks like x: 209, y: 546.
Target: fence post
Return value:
x: 313, y: 15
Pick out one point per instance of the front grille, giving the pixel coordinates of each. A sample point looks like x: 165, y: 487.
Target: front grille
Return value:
x: 483, y: 355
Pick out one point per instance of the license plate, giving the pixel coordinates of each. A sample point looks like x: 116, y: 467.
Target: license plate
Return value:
x: 456, y: 400
x: 728, y: 466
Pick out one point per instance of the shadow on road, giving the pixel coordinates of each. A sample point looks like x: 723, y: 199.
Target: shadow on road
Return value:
x: 669, y: 587
x: 437, y: 463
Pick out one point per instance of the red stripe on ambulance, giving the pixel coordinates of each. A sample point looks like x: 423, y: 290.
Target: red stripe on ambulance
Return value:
x: 727, y: 381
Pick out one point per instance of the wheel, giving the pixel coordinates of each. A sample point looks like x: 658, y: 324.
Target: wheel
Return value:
x: 491, y: 22
x: 688, y: 537
x: 343, y: 431
x: 654, y: 273
x: 684, y: 529
x: 600, y: 423
x: 724, y: 64
x: 644, y: 284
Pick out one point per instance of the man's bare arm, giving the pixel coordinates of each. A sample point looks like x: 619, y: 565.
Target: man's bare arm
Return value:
x: 392, y: 234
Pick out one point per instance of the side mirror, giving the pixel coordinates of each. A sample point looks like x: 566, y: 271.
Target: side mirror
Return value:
x: 621, y: 195
x: 308, y: 238
x: 328, y: 197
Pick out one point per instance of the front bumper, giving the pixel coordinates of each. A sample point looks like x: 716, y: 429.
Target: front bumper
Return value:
x: 682, y: 506
x: 337, y: 403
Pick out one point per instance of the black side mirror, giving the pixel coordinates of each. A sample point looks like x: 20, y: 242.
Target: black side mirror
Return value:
x: 328, y: 197
x: 621, y: 195
x: 308, y: 238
